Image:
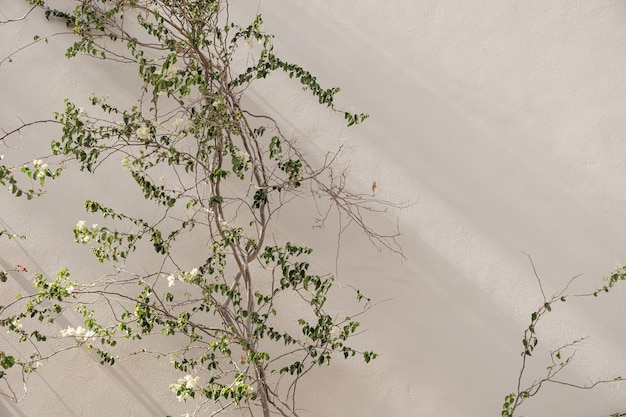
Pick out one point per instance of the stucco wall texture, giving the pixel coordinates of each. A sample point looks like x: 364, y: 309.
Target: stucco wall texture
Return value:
x: 501, y: 122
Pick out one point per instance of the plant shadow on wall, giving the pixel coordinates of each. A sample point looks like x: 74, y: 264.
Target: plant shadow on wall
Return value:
x: 220, y: 176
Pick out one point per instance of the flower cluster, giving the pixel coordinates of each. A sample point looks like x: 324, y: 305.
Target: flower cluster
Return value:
x: 143, y: 132
x: 219, y: 103
x: 15, y: 326
x: 82, y: 234
x: 40, y: 168
x: 81, y: 334
x: 185, y: 387
x: 81, y: 114
x: 181, y: 127
x: 38, y: 172
x: 183, y: 276
x: 243, y: 158
x: 243, y: 388
x: 168, y: 74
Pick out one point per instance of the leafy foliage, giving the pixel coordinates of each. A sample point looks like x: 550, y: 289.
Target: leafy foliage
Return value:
x: 218, y: 175
x: 560, y: 357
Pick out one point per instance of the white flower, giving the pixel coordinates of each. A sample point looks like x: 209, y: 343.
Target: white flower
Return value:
x: 179, y: 124
x: 79, y: 333
x: 1, y: 157
x: 248, y: 388
x: 244, y: 157
x: 180, y: 127
x: 70, y: 289
x: 80, y: 224
x: 143, y: 132
x: 190, y: 381
x: 188, y: 276
x: 37, y: 163
x: 125, y: 162
x: 335, y: 331
x: 249, y: 43
x: 169, y: 74
x: 218, y: 102
x: 171, y: 280
x: 94, y: 226
x: 184, y: 386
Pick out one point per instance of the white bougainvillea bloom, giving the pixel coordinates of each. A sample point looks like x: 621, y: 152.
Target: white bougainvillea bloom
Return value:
x: 180, y: 124
x: 125, y: 162
x: 70, y: 331
x: 81, y: 334
x: 17, y: 325
x: 80, y: 224
x: 335, y: 331
x: 188, y: 276
x: 171, y: 280
x: 218, y: 102
x: 244, y: 157
x: 143, y: 132
x: 169, y: 74
x: 190, y: 381
x: 180, y: 128
x: 184, y: 385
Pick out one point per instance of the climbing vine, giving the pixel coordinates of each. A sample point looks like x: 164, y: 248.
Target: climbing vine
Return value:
x: 219, y: 175
x: 561, y: 356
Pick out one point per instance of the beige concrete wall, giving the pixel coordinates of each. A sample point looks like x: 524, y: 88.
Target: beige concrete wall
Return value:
x: 501, y: 121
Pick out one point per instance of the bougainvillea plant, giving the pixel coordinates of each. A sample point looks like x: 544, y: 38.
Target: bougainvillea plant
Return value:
x: 245, y: 311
